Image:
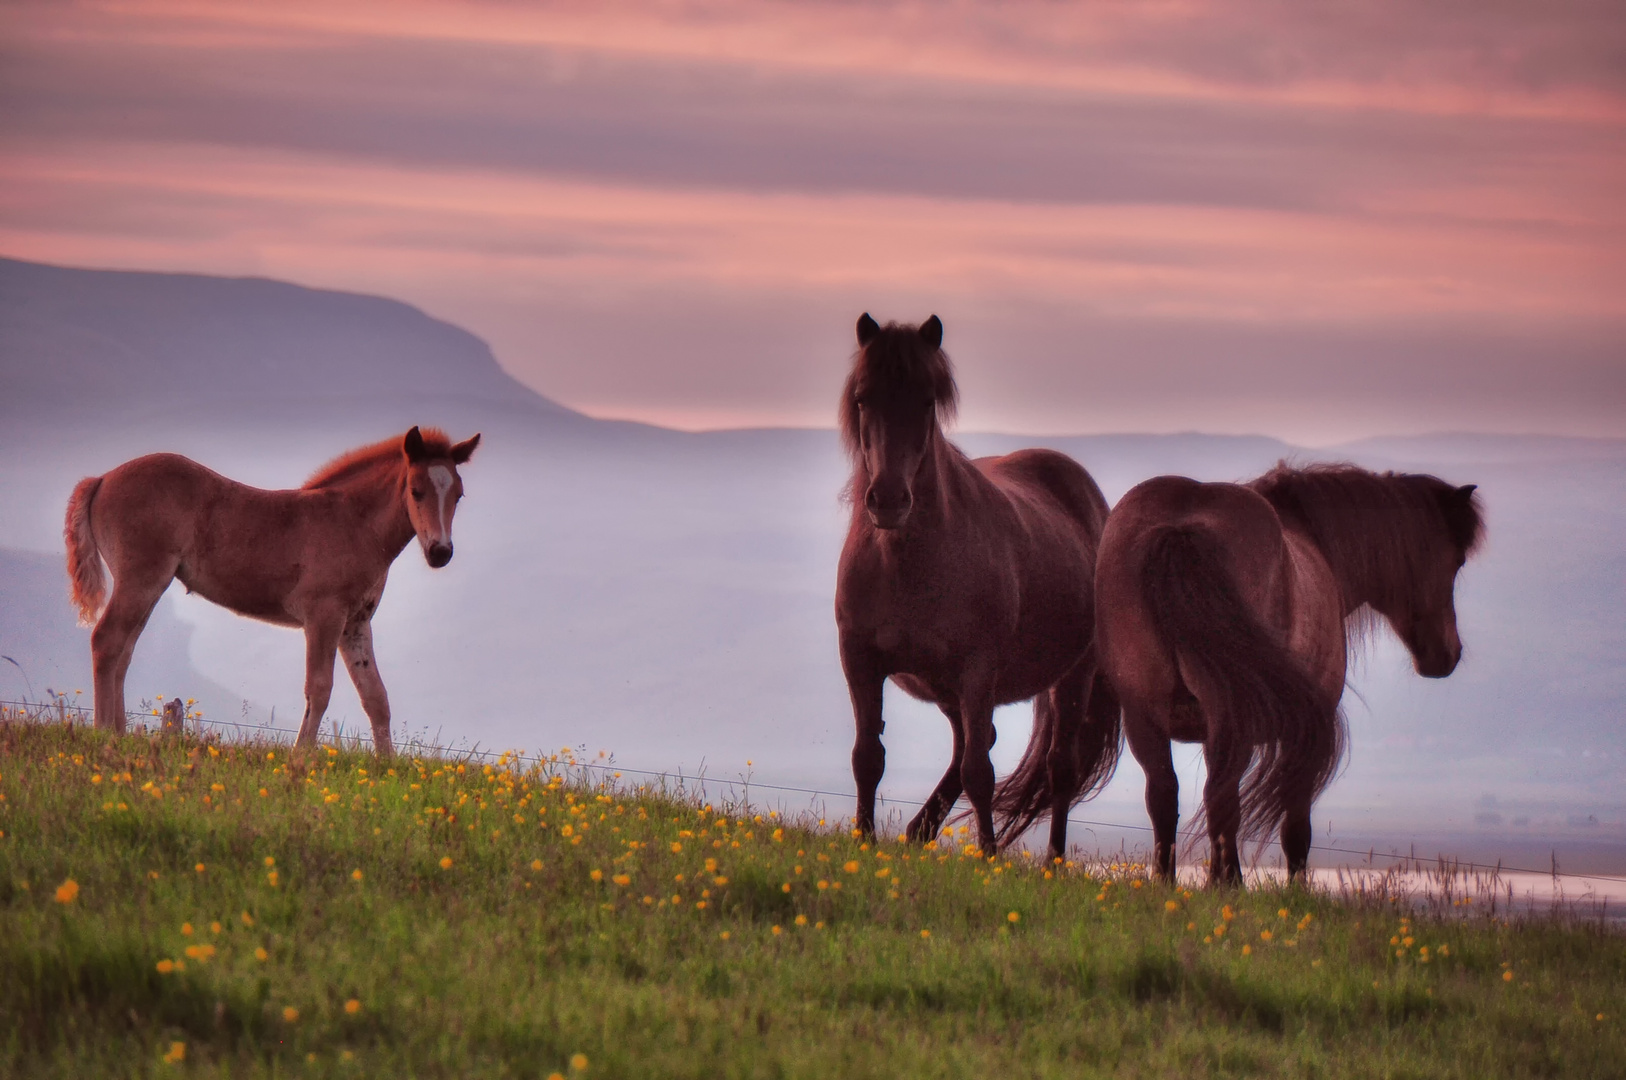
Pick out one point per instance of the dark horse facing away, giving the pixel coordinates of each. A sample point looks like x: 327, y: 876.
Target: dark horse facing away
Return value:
x: 968, y: 583
x: 316, y: 557
x: 1223, y: 618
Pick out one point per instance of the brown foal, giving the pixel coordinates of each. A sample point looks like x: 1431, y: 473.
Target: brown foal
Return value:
x: 316, y: 557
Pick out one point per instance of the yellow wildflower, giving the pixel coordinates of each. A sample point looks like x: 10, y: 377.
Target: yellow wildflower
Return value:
x: 445, y: 862
x: 67, y: 892
x: 290, y: 1014
x: 353, y: 1006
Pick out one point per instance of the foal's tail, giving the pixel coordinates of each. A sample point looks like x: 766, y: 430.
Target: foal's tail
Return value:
x: 1090, y: 731
x: 1268, y: 723
x: 89, y: 583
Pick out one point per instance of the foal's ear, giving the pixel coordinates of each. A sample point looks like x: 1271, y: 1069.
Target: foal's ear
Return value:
x: 931, y: 332
x: 465, y: 449
x: 867, y: 329
x: 412, y: 445
x: 1467, y: 490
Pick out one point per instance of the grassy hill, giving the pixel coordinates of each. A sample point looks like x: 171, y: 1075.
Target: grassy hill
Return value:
x: 175, y: 906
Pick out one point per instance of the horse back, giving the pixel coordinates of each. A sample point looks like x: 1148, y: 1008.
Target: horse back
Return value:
x: 245, y: 548
x: 1049, y: 480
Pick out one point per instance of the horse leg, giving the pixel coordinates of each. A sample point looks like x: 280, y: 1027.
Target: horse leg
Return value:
x: 926, y: 823
x: 321, y: 640
x: 1150, y: 745
x: 864, y: 683
x: 136, y: 591
x: 1222, y: 805
x: 977, y: 770
x: 1067, y: 702
x: 1296, y: 836
x: 356, y: 645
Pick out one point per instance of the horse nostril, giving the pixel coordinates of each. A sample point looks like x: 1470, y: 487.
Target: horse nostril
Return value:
x: 439, y: 555
x: 871, y: 501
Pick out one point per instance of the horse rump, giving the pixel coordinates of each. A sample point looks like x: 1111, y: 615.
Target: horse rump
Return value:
x: 1271, y: 723
x: 87, y: 579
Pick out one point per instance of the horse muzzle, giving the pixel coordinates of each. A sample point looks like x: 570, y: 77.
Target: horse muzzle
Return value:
x: 438, y: 555
x: 889, y: 512
x: 1436, y: 663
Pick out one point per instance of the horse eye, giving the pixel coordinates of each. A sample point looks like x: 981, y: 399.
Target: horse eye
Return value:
x: 417, y: 493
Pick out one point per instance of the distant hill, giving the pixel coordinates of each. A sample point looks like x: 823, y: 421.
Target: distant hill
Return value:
x: 91, y: 339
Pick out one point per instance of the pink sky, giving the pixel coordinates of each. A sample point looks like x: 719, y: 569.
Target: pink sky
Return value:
x: 1222, y: 217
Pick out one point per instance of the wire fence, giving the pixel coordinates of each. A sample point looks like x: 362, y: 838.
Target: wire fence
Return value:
x: 61, y: 710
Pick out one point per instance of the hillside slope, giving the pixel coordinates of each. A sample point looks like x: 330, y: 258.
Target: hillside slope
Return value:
x: 97, y: 339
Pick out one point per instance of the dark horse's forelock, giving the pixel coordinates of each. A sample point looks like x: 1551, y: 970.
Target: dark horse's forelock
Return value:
x: 1322, y: 499
x: 897, y: 361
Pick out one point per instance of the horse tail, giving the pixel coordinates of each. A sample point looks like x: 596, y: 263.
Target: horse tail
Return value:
x: 89, y: 583
x: 1028, y: 793
x: 1271, y: 724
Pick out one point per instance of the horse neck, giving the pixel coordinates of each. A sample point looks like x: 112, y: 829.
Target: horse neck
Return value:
x: 380, y: 495
x: 1373, y: 564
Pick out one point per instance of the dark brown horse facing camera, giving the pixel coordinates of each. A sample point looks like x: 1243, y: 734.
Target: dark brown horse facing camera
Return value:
x: 1223, y: 617
x: 968, y: 583
x: 316, y: 558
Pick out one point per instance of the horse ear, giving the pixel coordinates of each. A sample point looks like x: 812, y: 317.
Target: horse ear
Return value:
x: 412, y: 445
x: 465, y: 449
x: 931, y: 332
x: 867, y: 329
x: 1467, y: 490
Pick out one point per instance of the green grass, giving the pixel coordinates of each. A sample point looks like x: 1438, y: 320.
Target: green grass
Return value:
x: 315, y: 914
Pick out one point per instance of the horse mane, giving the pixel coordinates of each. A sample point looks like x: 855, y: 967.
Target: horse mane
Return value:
x: 365, y: 459
x: 1374, y: 527
x: 896, y: 357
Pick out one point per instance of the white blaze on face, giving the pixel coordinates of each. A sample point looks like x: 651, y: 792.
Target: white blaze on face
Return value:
x: 442, y: 478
